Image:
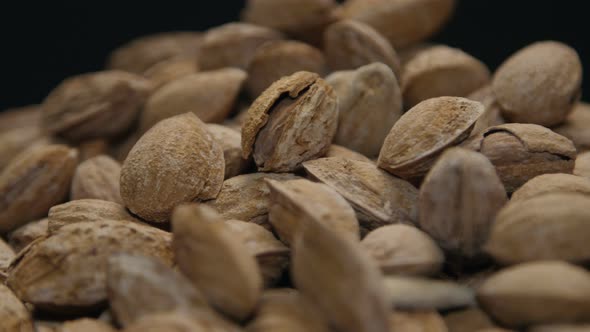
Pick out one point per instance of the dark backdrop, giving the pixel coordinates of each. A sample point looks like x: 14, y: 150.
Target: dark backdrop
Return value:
x: 43, y: 42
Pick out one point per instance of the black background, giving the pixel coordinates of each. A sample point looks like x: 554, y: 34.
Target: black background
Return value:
x: 44, y: 42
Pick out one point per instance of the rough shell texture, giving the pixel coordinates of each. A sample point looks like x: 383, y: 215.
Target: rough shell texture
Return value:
x: 403, y: 249
x: 85, y: 325
x: 183, y: 321
x: 346, y: 153
x: 582, y: 167
x: 13, y: 313
x: 97, y: 178
x: 230, y: 141
x: 177, y: 161
x: 19, y: 117
x: 424, y: 294
x: 369, y: 103
x: 22, y: 236
x: 67, y: 271
x: 422, y: 133
x: 95, y: 105
x: 294, y: 120
x: 170, y: 70
x: 33, y: 182
x: 537, y: 293
x: 577, y: 126
x: 13, y: 142
x: 492, y: 115
x: 209, y: 255
x: 377, y: 197
x: 552, y: 183
x: 550, y: 226
x: 209, y: 95
x: 423, y: 321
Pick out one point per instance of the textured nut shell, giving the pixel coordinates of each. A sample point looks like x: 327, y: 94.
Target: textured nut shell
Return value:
x: 6, y: 256
x: 209, y: 95
x: 550, y: 226
x: 246, y: 197
x: 537, y: 293
x: 351, y: 44
x: 292, y: 200
x: 331, y: 270
x: 346, y: 153
x: 377, y: 197
x: 425, y: 294
x: 86, y: 210
x: 428, y: 74
x: 139, y: 286
x: 423, y: 132
x: 230, y: 141
x: 423, y: 321
x: 176, y: 161
x: 95, y: 105
x: 170, y: 70
x: 22, y: 236
x: 233, y: 45
x: 67, y: 271
x: 209, y: 255
x: 13, y: 313
x: 183, y: 321
x: 13, y: 142
x: 415, y: 20
x: 552, y: 183
x: 539, y: 84
x: 85, y: 325
x: 492, y: 115
x: 97, y: 178
x: 582, y: 167
x: 287, y: 310
x: 403, y: 249
x: 19, y: 117
x: 34, y: 181
x: 459, y: 199
x: 305, y: 132
x: 468, y: 320
x: 370, y: 103
x: 577, y: 126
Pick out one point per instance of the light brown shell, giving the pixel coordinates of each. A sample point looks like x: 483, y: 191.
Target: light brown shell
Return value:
x: 170, y: 70
x: 552, y: 183
x: 97, y: 178
x: 177, y: 161
x: 33, y: 182
x: 95, y: 105
x: 92, y: 148
x: 346, y: 153
x: 13, y: 313
x: 582, y: 167
x: 6, y: 256
x: 13, y: 142
x: 422, y: 133
x: 423, y: 321
x: 468, y: 320
x: 539, y: 84
x: 19, y: 117
x: 85, y: 325
x: 576, y: 126
x: 492, y: 115
x: 183, y: 321
x: 66, y: 272
x: 230, y: 141
x: 27, y: 233
x: 409, y: 293
x: 209, y: 95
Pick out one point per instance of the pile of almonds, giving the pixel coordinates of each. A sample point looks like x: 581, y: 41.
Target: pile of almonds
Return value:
x: 315, y: 167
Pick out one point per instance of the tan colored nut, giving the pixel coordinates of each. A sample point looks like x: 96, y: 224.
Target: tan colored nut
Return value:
x: 276, y: 59
x: 246, y: 197
x: 170, y: 70
x: 539, y: 84
x: 33, y: 182
x: 85, y: 325
x: 294, y: 120
x: 582, y: 167
x: 177, y: 161
x: 560, y: 328
x: 351, y: 44
x: 233, y: 45
x: 19, y: 117
x: 409, y: 293
x: 442, y: 71
x: 537, y: 293
x: 230, y: 141
x: 552, y: 183
x: 575, y: 126
x: 403, y: 249
x: 369, y: 103
x: 549, y: 226
x: 209, y: 95
x: 522, y: 151
x: 140, y: 286
x: 406, y: 54
x: 492, y: 115
x: 468, y: 320
x: 46, y: 326
x: 287, y: 310
x: 6, y: 256
x: 95, y: 105
x: 421, y: 134
x: 402, y: 22
x: 67, y: 271
x: 92, y: 148
x: 120, y: 149
x: 231, y: 281
x: 458, y: 201
x: 142, y: 53
x: 86, y: 210
x: 291, y: 201
x: 13, y: 142
x: 342, y: 152
x: 183, y: 321
x: 13, y: 314
x: 271, y: 254
x: 27, y: 233
x: 378, y: 198
x: 331, y: 270
x: 423, y: 321
x: 97, y: 178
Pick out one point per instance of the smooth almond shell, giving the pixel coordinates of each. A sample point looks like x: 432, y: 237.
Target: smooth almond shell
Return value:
x: 582, y: 166
x: 575, y: 127
x: 552, y: 183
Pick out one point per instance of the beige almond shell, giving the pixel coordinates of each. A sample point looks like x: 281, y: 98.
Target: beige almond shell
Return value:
x: 378, y: 198
x: 412, y: 293
x: 576, y: 126
x: 537, y: 293
x: 346, y: 153
x: 7, y: 254
x: 545, y: 227
x: 422, y: 133
x: 539, y: 84
x: 468, y: 320
x: 177, y: 161
x: 294, y: 199
x: 442, y: 71
x: 27, y: 233
x: 492, y: 116
x: 14, y: 141
x: 13, y: 313
x: 582, y: 167
x: 424, y: 321
x: 95, y: 105
x: 66, y: 272
x: 403, y: 250
x: 207, y: 252
x: 230, y: 141
x: 20, y: 117
x: 170, y: 70
x: 85, y: 325
x: 97, y: 178
x: 33, y: 182
x: 552, y: 183
x: 183, y: 321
